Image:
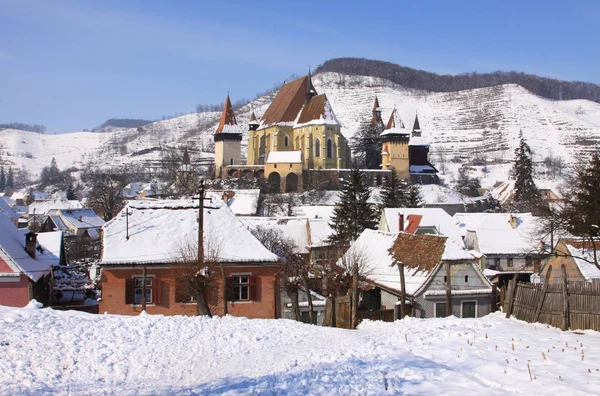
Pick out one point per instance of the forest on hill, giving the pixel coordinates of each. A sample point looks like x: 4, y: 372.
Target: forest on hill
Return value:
x: 427, y: 81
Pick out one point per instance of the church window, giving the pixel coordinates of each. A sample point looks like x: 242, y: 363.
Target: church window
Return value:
x: 329, y: 148
x: 286, y: 141
x: 231, y: 161
x: 317, y: 148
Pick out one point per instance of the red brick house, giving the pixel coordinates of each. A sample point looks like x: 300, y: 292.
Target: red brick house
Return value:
x: 150, y: 233
x: 24, y: 265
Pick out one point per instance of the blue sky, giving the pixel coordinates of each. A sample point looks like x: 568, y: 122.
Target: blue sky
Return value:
x: 71, y: 65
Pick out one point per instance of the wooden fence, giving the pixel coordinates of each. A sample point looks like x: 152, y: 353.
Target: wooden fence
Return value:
x: 385, y: 315
x: 567, y: 305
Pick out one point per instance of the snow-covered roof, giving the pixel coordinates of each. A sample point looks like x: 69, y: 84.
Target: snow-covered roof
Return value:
x: 496, y: 235
x: 43, y: 207
x: 504, y: 191
x: 303, y: 231
x: 418, y: 141
x: 317, y: 112
x: 131, y: 190
x: 51, y: 241
x: 431, y: 217
x: 290, y: 157
x: 7, y: 210
x: 12, y: 251
x: 79, y: 218
x: 421, y: 169
x: 584, y: 259
x: 373, y: 247
x: 242, y: 203
x: 158, y: 229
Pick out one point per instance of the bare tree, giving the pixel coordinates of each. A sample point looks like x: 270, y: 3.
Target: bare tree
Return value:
x: 194, y: 277
x: 106, y: 195
x: 355, y: 262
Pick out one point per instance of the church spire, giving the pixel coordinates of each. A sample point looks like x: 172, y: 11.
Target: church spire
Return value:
x: 416, y: 126
x: 252, y: 122
x: 310, y: 88
x: 227, y: 116
x: 376, y: 113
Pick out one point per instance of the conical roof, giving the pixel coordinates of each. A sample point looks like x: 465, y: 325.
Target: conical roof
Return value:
x: 394, y: 125
x: 227, y: 119
x: 376, y: 104
x: 416, y: 126
x: 253, y: 119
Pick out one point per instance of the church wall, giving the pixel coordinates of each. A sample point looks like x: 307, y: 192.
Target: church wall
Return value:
x: 225, y: 152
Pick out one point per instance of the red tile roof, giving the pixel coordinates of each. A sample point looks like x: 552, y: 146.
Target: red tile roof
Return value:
x: 421, y: 252
x: 227, y: 116
x: 287, y: 104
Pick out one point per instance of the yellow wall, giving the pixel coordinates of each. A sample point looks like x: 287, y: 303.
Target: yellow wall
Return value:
x: 225, y: 150
x: 397, y: 158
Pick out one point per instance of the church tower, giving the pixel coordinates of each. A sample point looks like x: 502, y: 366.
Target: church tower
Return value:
x: 394, y: 146
x: 228, y: 138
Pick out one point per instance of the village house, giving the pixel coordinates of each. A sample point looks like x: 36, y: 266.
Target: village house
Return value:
x: 152, y: 235
x: 577, y: 255
x: 310, y: 238
x: 9, y: 212
x: 83, y: 222
x: 24, y: 265
x: 504, y: 244
x: 417, y: 221
x: 425, y: 258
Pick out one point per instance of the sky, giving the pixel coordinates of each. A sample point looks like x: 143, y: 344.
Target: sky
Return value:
x: 70, y: 65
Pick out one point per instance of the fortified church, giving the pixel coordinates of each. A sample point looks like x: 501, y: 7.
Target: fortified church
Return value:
x: 298, y: 139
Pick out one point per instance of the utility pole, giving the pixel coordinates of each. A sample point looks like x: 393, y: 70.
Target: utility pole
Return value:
x: 127, y: 213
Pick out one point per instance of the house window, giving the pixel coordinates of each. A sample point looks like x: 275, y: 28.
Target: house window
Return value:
x: 231, y: 161
x: 137, y: 290
x: 445, y: 279
x: 528, y: 261
x: 274, y: 165
x: 440, y: 310
x: 468, y: 309
x: 329, y: 148
x: 466, y: 278
x: 497, y: 262
x: 509, y: 262
x: 241, y: 287
x: 317, y: 148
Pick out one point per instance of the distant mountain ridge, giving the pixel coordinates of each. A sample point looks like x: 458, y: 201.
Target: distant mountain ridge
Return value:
x: 426, y: 81
x: 121, y: 123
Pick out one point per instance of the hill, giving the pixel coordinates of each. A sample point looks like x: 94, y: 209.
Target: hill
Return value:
x: 422, y: 80
x: 463, y: 126
x: 120, y: 123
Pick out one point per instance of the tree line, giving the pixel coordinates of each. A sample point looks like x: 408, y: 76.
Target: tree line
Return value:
x: 422, y: 80
x: 24, y: 127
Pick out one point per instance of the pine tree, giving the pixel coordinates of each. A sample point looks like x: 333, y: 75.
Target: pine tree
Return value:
x: 395, y: 192
x: 581, y: 213
x: 353, y: 213
x: 71, y: 193
x: 414, y: 197
x: 2, y: 179
x: 10, y: 179
x: 526, y: 193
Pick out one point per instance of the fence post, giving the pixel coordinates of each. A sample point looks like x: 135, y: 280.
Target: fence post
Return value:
x: 512, y: 287
x: 565, y: 295
x: 538, y: 310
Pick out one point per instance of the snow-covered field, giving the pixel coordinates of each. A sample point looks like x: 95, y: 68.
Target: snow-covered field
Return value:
x: 46, y: 351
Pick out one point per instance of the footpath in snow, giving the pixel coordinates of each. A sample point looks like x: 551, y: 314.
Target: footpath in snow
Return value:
x: 46, y: 351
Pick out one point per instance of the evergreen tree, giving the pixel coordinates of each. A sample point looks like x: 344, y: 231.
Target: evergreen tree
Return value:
x: 581, y: 214
x: 395, y: 192
x: 2, y: 179
x: 352, y: 214
x: 526, y: 193
x: 414, y: 197
x: 10, y: 178
x: 71, y: 193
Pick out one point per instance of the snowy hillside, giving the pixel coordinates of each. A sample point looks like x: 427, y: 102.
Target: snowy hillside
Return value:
x: 53, y: 352
x: 478, y: 124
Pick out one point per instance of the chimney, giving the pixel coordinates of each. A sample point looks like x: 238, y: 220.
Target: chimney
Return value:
x: 514, y: 221
x: 30, y: 243
x: 400, y: 222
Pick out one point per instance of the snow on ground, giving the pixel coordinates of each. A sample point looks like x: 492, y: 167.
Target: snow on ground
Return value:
x: 46, y: 351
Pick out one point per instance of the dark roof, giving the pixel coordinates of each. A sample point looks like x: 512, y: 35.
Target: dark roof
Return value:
x: 314, y: 110
x: 288, y: 102
x: 392, y: 122
x: 416, y: 126
x: 227, y: 116
x: 252, y: 118
x: 375, y: 104
x: 421, y: 252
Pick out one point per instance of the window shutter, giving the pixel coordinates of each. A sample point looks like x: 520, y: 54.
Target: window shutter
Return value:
x: 156, y: 291
x: 253, y: 289
x: 129, y: 291
x: 229, y: 291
